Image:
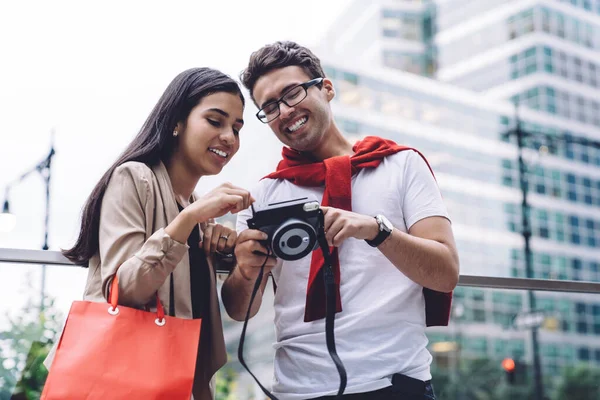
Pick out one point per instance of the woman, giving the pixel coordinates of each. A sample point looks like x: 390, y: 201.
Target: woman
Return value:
x: 142, y: 219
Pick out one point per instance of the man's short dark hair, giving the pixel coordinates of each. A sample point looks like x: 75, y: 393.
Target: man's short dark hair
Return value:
x: 280, y: 55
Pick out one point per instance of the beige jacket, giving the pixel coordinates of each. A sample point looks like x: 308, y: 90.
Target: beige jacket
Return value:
x: 138, y: 204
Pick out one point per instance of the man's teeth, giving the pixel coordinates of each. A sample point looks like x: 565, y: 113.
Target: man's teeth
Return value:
x: 219, y: 152
x: 297, y: 124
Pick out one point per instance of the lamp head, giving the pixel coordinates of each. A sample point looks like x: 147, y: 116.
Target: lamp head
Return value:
x: 7, y: 220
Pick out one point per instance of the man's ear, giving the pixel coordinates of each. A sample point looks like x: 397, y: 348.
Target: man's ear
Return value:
x: 329, y: 89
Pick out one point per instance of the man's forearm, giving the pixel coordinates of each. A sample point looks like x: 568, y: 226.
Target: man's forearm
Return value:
x: 236, y: 293
x: 427, y: 262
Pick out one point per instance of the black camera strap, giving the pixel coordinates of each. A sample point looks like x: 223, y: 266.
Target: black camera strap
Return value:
x: 243, y: 334
x: 329, y: 317
x: 329, y: 278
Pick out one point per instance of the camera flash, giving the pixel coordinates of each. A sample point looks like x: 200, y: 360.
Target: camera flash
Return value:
x: 312, y: 206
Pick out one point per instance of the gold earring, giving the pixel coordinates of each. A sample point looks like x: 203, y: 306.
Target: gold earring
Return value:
x: 175, y: 133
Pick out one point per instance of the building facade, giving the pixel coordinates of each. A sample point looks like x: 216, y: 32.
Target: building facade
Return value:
x: 485, y: 57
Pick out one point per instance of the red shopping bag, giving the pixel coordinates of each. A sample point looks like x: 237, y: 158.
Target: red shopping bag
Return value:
x: 115, y: 352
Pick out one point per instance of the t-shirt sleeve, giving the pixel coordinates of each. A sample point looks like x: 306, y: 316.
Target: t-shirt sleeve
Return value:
x: 421, y: 197
x: 242, y: 218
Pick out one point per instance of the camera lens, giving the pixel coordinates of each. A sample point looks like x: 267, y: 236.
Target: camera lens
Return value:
x: 293, y: 240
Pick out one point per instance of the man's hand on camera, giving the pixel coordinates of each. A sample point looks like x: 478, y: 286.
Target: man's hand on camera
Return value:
x: 251, y: 254
x: 341, y: 225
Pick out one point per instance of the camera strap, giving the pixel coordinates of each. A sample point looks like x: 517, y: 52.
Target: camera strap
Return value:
x: 329, y: 310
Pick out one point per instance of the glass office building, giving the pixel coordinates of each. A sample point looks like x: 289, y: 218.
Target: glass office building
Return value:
x: 541, y: 54
x: 460, y: 132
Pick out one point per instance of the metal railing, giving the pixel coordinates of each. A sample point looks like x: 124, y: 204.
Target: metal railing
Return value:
x: 21, y: 256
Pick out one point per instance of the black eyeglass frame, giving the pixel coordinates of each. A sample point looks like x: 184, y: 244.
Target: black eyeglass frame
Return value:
x: 305, y: 86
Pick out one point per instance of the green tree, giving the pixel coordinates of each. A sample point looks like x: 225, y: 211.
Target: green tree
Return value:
x: 225, y: 384
x: 23, y: 348
x: 579, y: 383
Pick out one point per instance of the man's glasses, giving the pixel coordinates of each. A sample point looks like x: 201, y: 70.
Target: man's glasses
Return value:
x: 290, y: 98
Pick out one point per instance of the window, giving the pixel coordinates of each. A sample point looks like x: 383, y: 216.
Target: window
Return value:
x: 589, y: 36
x: 391, y: 24
x: 478, y: 315
x: 577, y: 266
x: 574, y: 221
x: 592, y: 74
x: 350, y: 126
x: 595, y: 276
x: 528, y: 21
x: 596, y: 112
x: 589, y: 224
x: 578, y: 72
x: 583, y: 353
x: 412, y: 29
x: 545, y: 20
x: 584, y: 155
x: 530, y: 52
x: 572, y: 194
x: 575, y: 30
x: 560, y: 25
x: 428, y: 28
x: 512, y: 30
x: 540, y: 188
x: 350, y: 78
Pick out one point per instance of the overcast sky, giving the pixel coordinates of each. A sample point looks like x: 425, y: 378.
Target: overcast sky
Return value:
x: 92, y: 72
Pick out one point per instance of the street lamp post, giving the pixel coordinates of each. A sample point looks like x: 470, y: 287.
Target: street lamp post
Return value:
x: 526, y: 232
x: 551, y: 139
x: 458, y: 311
x: 8, y: 221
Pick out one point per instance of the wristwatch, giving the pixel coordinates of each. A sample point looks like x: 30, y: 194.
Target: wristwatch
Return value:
x: 385, y: 230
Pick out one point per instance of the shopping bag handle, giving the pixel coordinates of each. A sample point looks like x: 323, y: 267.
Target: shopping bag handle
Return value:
x: 113, y: 299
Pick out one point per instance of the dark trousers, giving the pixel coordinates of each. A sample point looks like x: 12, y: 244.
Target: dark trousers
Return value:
x: 403, y: 388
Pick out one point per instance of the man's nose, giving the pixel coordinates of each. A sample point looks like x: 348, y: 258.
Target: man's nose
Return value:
x: 285, y: 111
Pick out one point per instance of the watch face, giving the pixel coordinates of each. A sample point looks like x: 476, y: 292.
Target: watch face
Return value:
x: 384, y: 223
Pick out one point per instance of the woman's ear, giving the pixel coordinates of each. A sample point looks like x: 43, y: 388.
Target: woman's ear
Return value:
x: 179, y: 128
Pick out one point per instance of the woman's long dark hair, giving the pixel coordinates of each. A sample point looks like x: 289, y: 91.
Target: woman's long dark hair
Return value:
x: 154, y: 143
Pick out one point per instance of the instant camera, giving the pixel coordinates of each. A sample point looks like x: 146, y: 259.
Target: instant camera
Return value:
x: 292, y: 226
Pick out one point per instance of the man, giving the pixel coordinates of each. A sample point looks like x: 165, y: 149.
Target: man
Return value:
x: 388, y: 228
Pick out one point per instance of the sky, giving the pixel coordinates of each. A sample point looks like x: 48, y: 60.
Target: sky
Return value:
x: 91, y: 72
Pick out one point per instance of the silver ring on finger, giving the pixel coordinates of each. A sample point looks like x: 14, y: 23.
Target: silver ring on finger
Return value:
x: 224, y: 237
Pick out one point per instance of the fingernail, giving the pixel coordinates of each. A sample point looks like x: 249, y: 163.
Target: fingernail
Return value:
x: 265, y: 236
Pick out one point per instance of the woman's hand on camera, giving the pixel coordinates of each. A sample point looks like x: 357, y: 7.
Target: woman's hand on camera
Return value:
x: 251, y: 254
x: 219, y: 201
x: 218, y: 238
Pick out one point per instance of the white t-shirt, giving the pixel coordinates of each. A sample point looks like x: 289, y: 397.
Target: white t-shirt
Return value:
x: 381, y: 329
